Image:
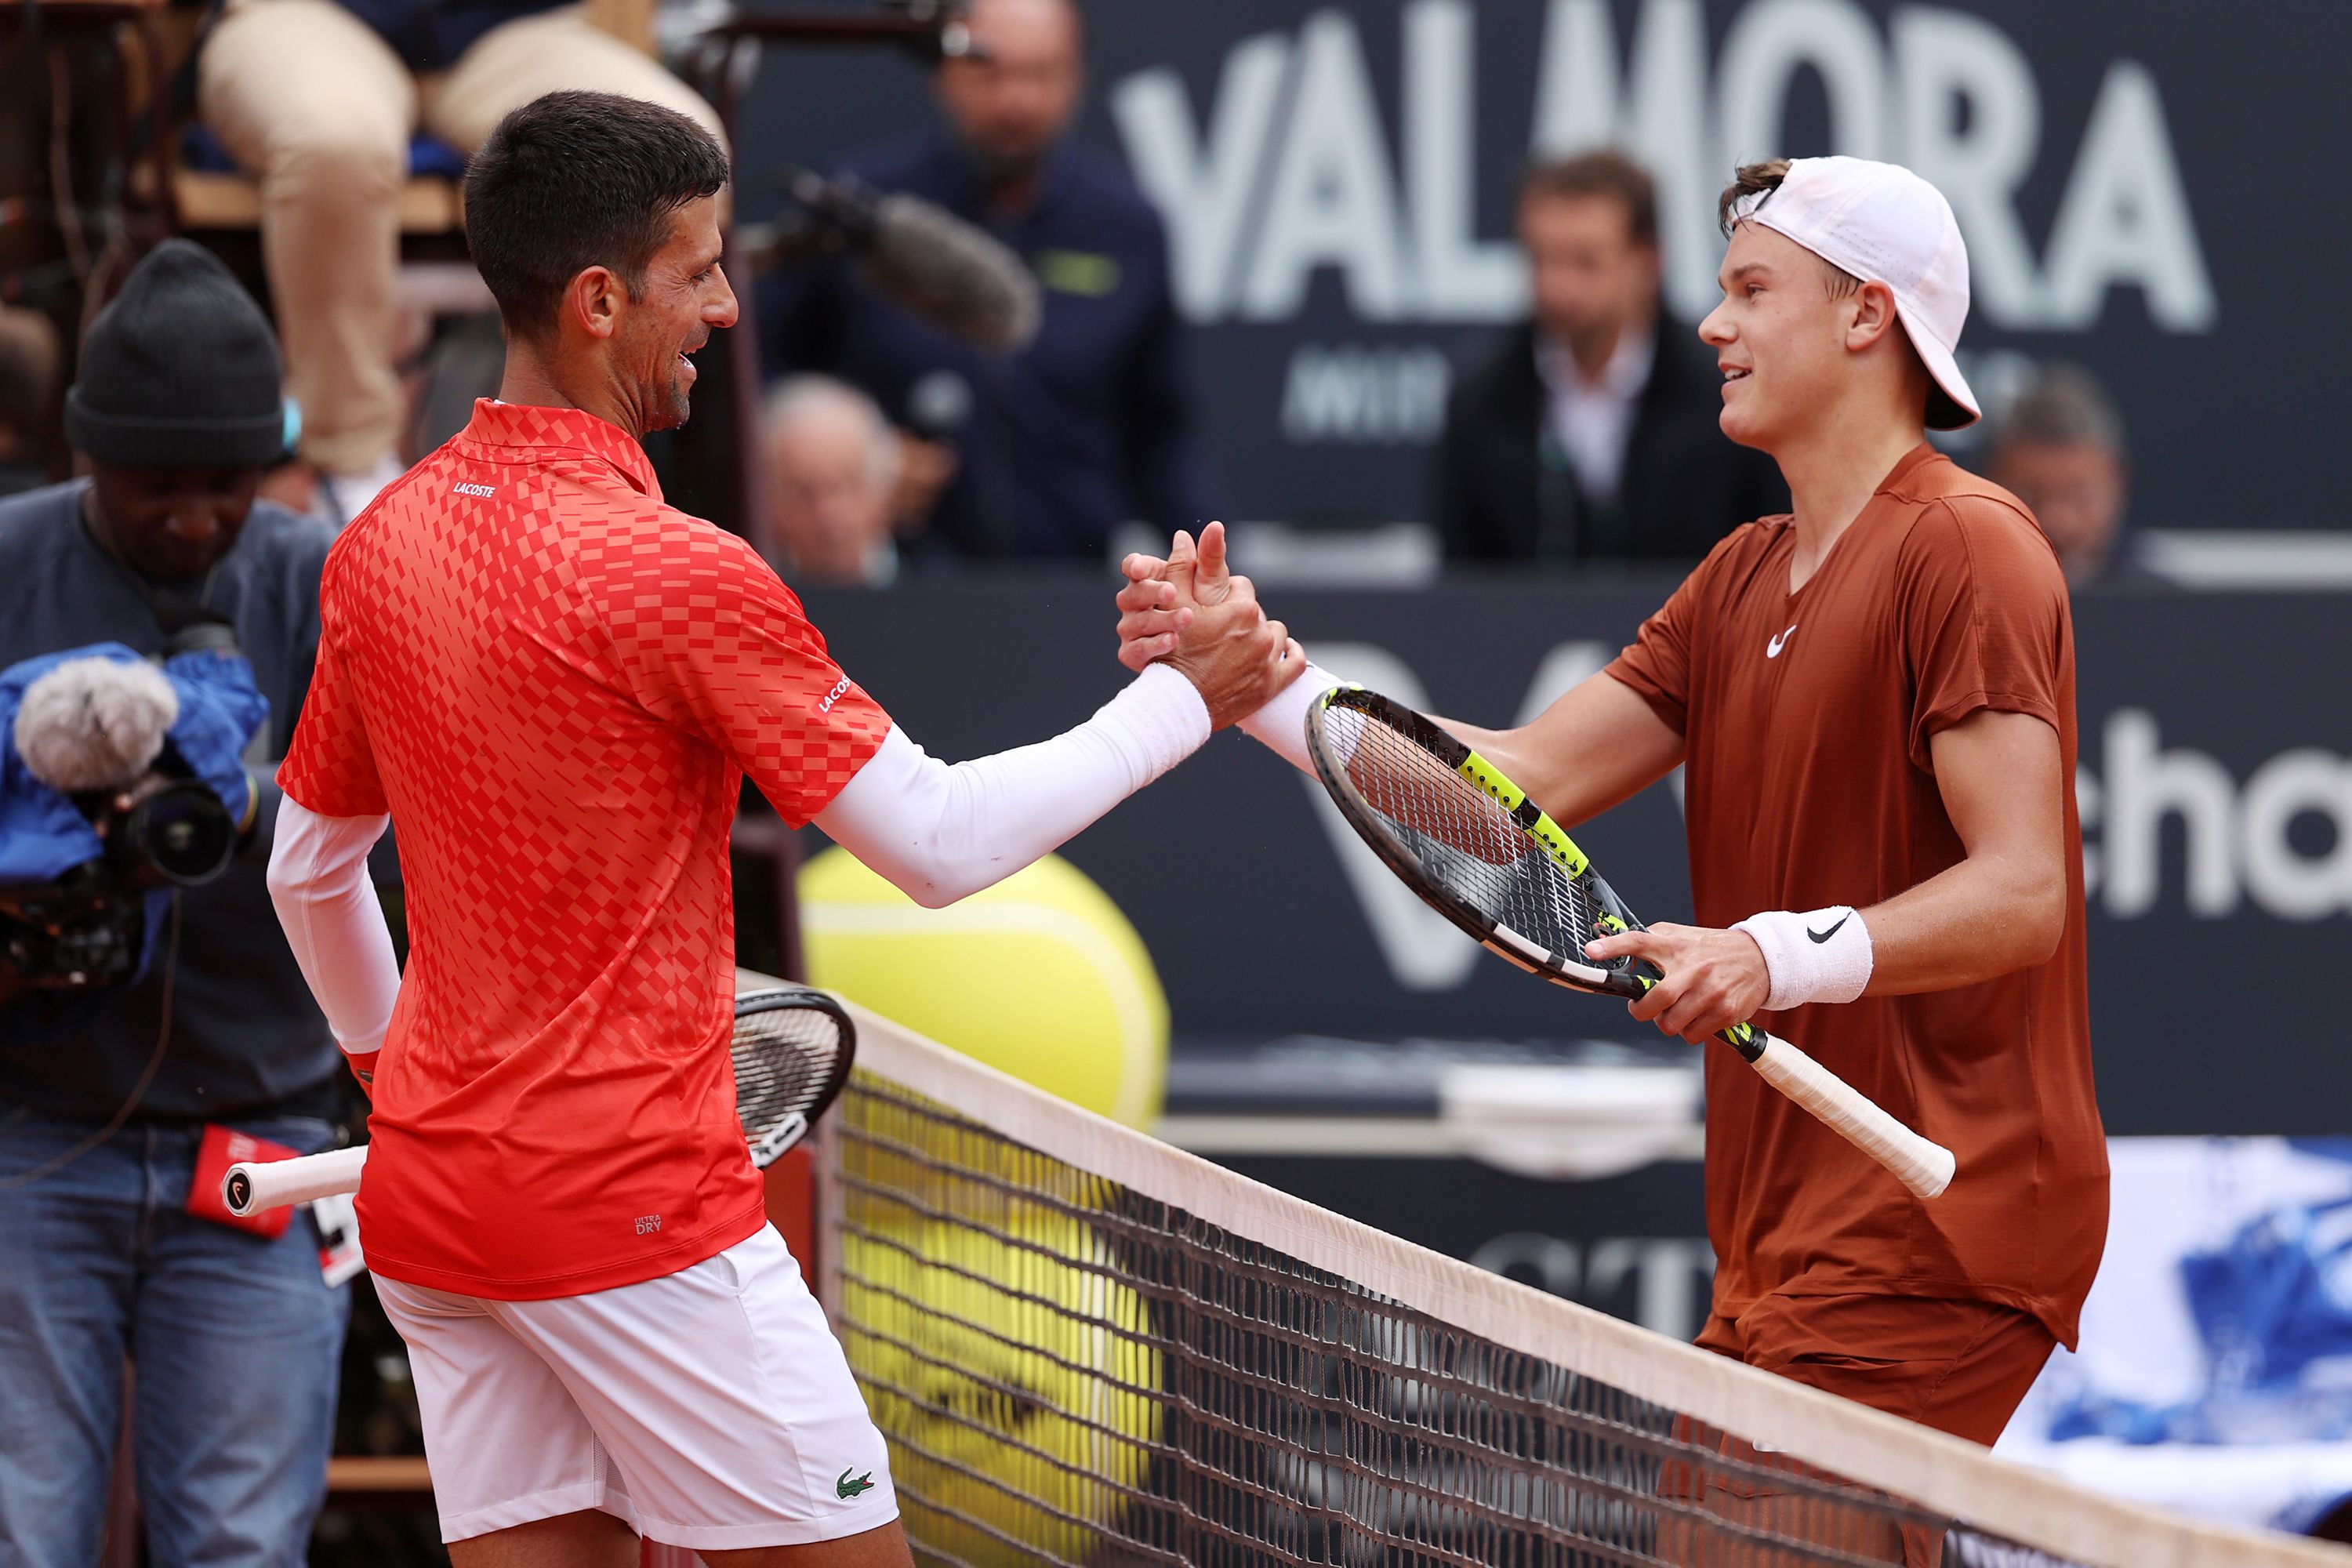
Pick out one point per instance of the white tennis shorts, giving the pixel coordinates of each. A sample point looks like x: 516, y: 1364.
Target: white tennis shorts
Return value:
x: 710, y: 1408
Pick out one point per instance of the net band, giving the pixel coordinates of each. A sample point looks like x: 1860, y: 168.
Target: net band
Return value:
x: 1484, y: 1421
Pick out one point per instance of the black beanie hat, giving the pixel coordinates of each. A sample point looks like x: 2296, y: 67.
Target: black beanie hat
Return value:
x: 181, y: 368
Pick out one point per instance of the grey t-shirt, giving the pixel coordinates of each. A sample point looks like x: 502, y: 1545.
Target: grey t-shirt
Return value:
x: 246, y: 1034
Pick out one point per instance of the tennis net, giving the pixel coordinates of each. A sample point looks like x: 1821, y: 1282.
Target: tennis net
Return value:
x: 1087, y: 1348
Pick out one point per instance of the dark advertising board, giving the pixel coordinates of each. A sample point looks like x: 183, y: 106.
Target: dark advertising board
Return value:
x: 2135, y: 183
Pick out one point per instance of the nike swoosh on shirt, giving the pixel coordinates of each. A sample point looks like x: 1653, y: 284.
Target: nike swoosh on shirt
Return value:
x: 1778, y: 643
x: 1825, y: 935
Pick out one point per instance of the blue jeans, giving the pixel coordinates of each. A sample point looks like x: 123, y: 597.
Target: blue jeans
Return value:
x: 235, y: 1343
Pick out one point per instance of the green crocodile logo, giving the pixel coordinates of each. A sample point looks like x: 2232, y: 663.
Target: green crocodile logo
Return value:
x: 850, y: 1487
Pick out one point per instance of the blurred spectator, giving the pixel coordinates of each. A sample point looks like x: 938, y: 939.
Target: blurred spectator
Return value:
x: 2059, y: 447
x: 1592, y: 433
x: 108, y: 1092
x: 28, y: 379
x: 1092, y: 424
x: 319, y: 99
x: 836, y: 464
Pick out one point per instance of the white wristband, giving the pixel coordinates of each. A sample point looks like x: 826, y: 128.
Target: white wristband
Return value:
x: 1281, y: 725
x: 1821, y: 956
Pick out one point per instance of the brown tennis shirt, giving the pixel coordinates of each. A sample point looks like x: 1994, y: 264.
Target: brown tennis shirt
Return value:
x: 1807, y: 718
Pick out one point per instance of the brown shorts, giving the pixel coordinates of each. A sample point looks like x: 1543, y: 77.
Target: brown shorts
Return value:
x: 1961, y: 1367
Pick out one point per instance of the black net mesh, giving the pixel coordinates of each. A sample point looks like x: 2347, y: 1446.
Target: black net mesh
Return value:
x: 1461, y: 836
x: 1072, y: 1372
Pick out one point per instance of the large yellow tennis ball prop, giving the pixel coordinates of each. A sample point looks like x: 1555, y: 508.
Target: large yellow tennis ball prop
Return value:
x: 1011, y: 1377
x: 1040, y: 976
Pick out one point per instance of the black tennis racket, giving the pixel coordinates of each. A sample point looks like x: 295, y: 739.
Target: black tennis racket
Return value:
x: 794, y: 1047
x: 1477, y: 850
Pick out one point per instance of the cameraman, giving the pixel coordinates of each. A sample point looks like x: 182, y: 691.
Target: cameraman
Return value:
x: 235, y: 1339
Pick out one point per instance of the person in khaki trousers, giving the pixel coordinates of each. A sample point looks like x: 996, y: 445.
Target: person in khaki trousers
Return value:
x: 319, y: 99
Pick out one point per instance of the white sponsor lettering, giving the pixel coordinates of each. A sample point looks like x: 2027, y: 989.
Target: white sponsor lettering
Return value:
x: 471, y: 490
x: 1331, y: 197
x: 2125, y: 217
x: 1764, y: 50
x: 1463, y: 278
x: 2237, y: 842
x: 1956, y: 68
x: 1211, y: 185
x: 840, y: 689
x: 1286, y: 170
x: 1365, y: 395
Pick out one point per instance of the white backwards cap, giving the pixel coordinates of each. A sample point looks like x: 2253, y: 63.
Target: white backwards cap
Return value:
x: 1884, y: 225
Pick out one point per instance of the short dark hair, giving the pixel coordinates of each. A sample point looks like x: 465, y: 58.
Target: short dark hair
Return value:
x: 1604, y: 172
x: 575, y: 180
x: 1748, y: 180
x: 1761, y: 180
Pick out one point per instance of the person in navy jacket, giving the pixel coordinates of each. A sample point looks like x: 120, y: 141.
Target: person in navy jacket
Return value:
x: 1092, y: 423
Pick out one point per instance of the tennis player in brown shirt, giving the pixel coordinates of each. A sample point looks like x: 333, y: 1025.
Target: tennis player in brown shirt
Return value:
x: 1872, y: 700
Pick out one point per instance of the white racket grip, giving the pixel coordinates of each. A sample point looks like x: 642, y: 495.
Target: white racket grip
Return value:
x: 252, y: 1186
x: 1924, y: 1167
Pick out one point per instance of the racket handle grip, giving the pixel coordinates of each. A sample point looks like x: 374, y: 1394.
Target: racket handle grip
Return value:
x: 251, y: 1186
x: 1924, y: 1167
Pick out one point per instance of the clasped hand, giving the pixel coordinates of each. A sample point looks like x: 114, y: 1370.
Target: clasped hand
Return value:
x: 1191, y: 613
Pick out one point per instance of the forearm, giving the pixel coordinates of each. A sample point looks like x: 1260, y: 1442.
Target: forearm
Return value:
x: 1989, y: 916
x: 1593, y: 750
x: 2003, y: 907
x: 319, y: 883
x: 1281, y: 725
x: 1986, y: 916
x: 940, y: 832
x: 1596, y: 747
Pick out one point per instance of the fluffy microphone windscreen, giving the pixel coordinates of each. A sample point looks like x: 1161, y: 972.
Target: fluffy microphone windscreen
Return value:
x: 958, y: 278
x: 94, y: 723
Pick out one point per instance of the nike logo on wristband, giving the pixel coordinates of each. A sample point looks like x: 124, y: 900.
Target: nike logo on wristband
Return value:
x: 1825, y: 935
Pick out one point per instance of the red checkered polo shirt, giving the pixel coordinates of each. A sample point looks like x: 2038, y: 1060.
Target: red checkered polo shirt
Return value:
x: 554, y: 683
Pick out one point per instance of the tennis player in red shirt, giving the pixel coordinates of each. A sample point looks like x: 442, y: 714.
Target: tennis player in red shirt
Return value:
x: 1872, y: 702
x: 555, y: 684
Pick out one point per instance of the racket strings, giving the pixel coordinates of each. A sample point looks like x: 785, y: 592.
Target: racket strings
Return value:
x: 1462, y: 838
x: 785, y: 1060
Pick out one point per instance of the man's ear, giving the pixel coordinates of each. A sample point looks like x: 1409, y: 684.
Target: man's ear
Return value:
x: 1873, y: 316
x: 593, y: 301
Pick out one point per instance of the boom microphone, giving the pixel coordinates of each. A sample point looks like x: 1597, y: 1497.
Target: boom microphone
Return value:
x: 917, y: 256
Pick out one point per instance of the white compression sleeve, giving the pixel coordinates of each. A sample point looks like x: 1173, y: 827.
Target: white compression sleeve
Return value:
x: 1281, y: 725
x: 940, y: 832
x: 319, y: 880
